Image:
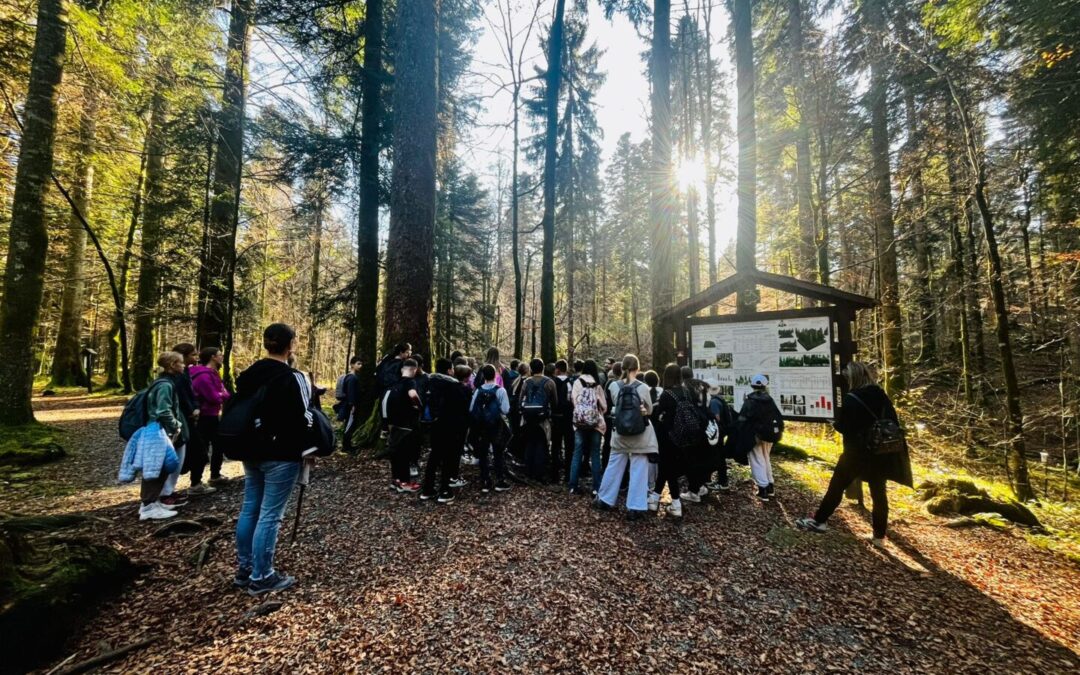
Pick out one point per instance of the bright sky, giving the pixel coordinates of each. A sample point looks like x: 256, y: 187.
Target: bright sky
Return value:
x: 623, y: 101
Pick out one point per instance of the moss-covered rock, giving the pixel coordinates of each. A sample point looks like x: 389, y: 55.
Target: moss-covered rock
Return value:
x: 954, y: 497
x: 47, y: 586
x: 29, y: 445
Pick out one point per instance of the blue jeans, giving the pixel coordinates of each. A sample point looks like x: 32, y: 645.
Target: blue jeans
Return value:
x: 591, y: 439
x: 267, y: 486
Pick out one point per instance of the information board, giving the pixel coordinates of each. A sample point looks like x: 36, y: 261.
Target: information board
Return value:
x: 794, y: 353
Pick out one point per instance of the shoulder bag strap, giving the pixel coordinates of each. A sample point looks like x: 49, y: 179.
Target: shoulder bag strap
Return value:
x: 865, y: 407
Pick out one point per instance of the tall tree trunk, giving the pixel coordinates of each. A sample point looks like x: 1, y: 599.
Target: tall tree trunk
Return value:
x: 808, y: 264
x: 204, y: 243
x: 917, y: 214
x: 153, y: 235
x: 515, y: 236
x: 705, y: 78
x: 221, y: 253
x: 551, y: 103
x: 746, y: 189
x: 822, y: 225
x: 316, y: 262
x: 956, y: 249
x: 410, y: 244
x: 881, y: 199
x: 67, y: 367
x: 662, y: 202
x: 115, y: 361
x: 571, y: 251
x: 28, y: 241
x: 367, y: 245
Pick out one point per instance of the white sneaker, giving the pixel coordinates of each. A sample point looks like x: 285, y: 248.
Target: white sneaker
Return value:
x: 167, y: 507
x: 458, y: 482
x: 880, y: 543
x: 674, y: 509
x: 155, y: 511
x: 692, y: 497
x: 201, y: 489
x: 654, y: 501
x: 703, y: 491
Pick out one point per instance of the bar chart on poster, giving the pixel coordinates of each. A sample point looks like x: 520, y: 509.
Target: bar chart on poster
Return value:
x: 794, y: 353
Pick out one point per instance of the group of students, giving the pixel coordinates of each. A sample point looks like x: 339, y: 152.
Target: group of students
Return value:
x: 634, y: 430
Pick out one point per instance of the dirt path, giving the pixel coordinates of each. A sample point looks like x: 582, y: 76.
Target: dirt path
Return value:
x: 533, y: 580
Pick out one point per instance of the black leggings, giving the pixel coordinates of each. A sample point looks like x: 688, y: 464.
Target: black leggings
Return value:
x: 846, y: 472
x: 669, y: 470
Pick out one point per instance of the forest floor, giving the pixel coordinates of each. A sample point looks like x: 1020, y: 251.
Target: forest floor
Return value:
x: 533, y: 580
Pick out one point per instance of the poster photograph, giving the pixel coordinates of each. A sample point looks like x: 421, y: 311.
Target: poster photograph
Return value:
x: 795, y: 354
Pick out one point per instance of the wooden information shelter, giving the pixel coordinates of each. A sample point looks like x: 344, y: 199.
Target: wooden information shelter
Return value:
x: 839, y: 306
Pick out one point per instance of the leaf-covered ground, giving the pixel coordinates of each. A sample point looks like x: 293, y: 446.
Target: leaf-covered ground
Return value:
x: 535, y: 581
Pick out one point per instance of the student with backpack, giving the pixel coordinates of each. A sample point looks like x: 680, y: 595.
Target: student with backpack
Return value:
x: 447, y: 403
x: 760, y: 424
x: 611, y: 386
x: 490, y: 404
x: 210, y: 395
x: 276, y: 398
x: 632, y: 440
x: 653, y: 380
x: 402, y: 405
x: 562, y: 424
x: 721, y: 413
x: 192, y: 451
x: 874, y: 450
x: 151, y: 449
x: 589, y: 406
x: 537, y: 399
x: 699, y: 457
x: 671, y: 455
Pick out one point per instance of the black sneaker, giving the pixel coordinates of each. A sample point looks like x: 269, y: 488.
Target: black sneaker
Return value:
x: 446, y: 497
x: 242, y: 578
x: 425, y: 496
x: 601, y: 505
x: 634, y: 514
x: 771, y: 490
x: 274, y: 582
x: 502, y: 486
x: 763, y: 494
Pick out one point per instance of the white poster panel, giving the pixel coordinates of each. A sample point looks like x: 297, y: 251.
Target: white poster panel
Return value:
x: 795, y: 354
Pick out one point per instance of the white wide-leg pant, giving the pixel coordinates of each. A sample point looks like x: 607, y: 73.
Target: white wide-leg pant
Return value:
x: 761, y: 464
x: 638, y: 495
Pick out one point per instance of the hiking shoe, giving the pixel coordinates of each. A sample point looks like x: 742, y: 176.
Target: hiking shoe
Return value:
x: 200, y: 489
x: 601, y: 505
x: 242, y: 579
x: 155, y: 511
x: 174, y: 500
x: 810, y: 525
x: 405, y: 488
x: 763, y: 494
x: 771, y: 490
x: 634, y: 514
x: 446, y: 497
x: 456, y: 483
x: 674, y: 509
x: 427, y: 495
x: 692, y: 497
x: 654, y: 501
x: 502, y: 486
x: 274, y: 582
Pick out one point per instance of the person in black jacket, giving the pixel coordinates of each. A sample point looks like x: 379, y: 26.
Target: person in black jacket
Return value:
x: 864, y: 403
x: 272, y: 462
x: 672, y: 458
x: 448, y: 400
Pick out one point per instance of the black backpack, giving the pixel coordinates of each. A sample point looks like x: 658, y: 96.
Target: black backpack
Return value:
x: 241, y: 428
x: 769, y: 423
x: 535, y: 406
x: 563, y: 406
x: 688, y: 422
x: 628, y: 418
x: 136, y: 412
x: 885, y: 436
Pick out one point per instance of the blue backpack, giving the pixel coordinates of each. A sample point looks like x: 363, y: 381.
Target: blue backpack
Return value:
x: 485, y: 409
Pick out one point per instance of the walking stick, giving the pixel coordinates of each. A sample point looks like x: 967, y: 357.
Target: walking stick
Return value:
x: 305, y: 475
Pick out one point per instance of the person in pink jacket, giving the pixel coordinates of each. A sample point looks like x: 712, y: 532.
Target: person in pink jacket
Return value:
x: 210, y: 394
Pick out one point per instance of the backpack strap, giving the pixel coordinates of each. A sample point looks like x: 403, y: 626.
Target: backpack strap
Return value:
x: 865, y: 407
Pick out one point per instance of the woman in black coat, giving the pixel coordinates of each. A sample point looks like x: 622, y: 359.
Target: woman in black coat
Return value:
x: 864, y: 403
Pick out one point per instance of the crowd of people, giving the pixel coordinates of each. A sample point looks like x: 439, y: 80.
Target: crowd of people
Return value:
x: 597, y: 431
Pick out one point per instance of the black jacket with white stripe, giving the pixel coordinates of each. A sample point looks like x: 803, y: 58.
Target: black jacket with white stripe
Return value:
x: 284, y: 414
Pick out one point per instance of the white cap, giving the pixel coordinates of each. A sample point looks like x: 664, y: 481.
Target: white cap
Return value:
x: 759, y: 380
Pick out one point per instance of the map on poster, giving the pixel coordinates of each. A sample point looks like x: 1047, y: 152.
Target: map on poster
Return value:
x: 795, y: 354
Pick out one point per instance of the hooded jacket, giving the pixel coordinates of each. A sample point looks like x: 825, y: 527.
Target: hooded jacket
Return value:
x: 210, y: 393
x: 284, y: 414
